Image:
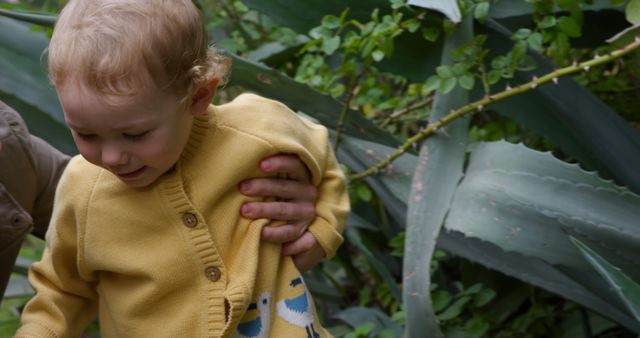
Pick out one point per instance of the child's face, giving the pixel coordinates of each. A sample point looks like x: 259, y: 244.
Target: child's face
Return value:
x: 138, y: 138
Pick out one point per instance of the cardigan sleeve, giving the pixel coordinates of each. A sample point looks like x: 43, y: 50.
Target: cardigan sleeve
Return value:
x: 288, y: 132
x: 65, y: 300
x: 332, y: 205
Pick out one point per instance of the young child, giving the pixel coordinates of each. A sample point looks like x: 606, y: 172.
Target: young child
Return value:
x: 142, y: 233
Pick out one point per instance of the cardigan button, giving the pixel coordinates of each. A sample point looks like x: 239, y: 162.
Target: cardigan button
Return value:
x: 189, y: 220
x: 213, y: 273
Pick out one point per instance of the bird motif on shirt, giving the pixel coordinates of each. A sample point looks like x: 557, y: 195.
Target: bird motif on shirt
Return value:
x: 257, y: 327
x: 298, y: 310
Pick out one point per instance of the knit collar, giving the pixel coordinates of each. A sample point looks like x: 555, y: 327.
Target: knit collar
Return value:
x: 199, y: 129
x: 172, y: 184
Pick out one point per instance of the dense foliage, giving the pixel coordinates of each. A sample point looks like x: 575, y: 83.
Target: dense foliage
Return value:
x: 465, y: 234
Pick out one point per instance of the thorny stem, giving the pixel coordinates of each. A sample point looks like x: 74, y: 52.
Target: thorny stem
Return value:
x: 507, y: 93
x: 409, y: 109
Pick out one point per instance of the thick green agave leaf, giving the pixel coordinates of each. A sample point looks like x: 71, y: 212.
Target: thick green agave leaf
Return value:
x: 447, y: 7
x: 24, y: 84
x: 535, y: 272
x: 271, y: 83
x: 301, y: 16
x: 525, y: 201
x: 573, y: 119
x: 625, y: 287
x: 409, y: 58
x: 355, y: 238
x: 359, y: 316
x: 46, y: 20
x: 511, y: 8
x: 575, y: 284
x: 439, y: 168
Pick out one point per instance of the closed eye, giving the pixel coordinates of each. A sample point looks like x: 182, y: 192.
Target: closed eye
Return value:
x: 135, y: 137
x: 86, y: 137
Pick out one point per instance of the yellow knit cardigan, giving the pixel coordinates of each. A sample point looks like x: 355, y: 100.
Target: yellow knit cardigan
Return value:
x: 175, y: 259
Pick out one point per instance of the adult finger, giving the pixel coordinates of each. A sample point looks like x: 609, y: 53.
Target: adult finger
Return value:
x: 288, y: 164
x: 278, y: 187
x: 305, y: 251
x: 292, y: 211
x: 283, y: 233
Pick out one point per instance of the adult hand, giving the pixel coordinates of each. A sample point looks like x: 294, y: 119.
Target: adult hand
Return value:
x: 294, y: 204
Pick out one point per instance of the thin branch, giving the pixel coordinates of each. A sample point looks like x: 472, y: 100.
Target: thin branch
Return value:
x: 507, y: 93
x: 409, y: 109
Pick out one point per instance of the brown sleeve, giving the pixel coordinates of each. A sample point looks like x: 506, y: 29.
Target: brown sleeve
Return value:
x: 49, y: 164
x: 29, y: 172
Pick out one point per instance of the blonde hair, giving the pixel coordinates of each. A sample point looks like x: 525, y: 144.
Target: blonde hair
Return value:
x: 115, y: 46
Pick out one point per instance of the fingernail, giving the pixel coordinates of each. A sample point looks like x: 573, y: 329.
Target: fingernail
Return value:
x: 246, y: 209
x: 265, y: 165
x: 245, y: 187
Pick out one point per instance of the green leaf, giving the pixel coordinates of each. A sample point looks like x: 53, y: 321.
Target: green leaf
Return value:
x: 412, y: 25
x: 394, y: 189
x: 625, y: 287
x: 535, y: 42
x: 359, y: 316
x: 570, y: 26
x: 547, y: 22
x: 354, y: 237
x: 331, y: 22
x: 447, y: 84
x: 430, y: 33
x: 568, y: 4
x: 447, y: 7
x: 526, y: 202
x: 330, y: 45
x: 24, y: 83
x: 625, y: 37
x: 483, y: 297
x: 477, y: 327
x: 438, y: 171
x: 377, y: 55
x: 632, y: 12
x: 481, y: 11
x: 454, y: 310
x: 432, y: 83
x: 440, y: 300
x: 364, y: 193
x: 494, y: 76
x: 46, y: 20
x: 444, y: 71
x: 520, y: 208
x: 522, y: 34
x: 467, y: 81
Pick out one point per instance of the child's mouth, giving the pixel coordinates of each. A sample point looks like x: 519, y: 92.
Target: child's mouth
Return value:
x: 132, y: 174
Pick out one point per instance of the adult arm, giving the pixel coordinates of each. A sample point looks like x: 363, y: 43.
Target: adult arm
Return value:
x: 28, y: 176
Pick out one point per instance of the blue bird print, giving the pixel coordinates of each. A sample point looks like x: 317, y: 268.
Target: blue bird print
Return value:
x: 297, y: 310
x: 259, y: 326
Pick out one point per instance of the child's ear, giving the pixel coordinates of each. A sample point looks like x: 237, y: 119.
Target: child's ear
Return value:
x: 203, y: 97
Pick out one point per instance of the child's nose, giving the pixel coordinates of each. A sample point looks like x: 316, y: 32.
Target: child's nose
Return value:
x: 113, y: 156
